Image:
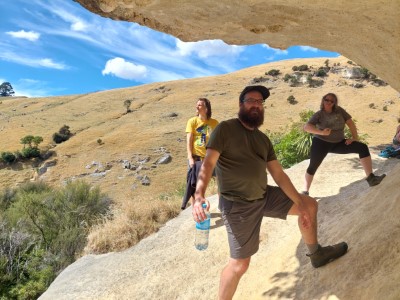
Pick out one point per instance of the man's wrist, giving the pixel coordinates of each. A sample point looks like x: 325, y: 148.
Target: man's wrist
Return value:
x: 198, y: 198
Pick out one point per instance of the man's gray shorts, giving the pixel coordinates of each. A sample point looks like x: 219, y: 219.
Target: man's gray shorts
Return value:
x: 243, y: 219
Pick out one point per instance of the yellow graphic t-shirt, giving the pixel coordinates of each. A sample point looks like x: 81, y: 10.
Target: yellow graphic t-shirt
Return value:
x: 201, y: 133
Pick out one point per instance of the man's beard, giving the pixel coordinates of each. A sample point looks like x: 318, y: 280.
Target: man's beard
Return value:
x: 254, y: 117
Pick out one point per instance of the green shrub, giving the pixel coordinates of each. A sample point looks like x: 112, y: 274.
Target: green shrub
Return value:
x: 59, y: 138
x: 291, y: 79
x: 42, y: 231
x: 30, y: 152
x: 320, y: 73
x: 291, y: 99
x: 293, y: 145
x: 273, y: 72
x: 303, y: 68
x: 8, y: 157
x: 62, y: 135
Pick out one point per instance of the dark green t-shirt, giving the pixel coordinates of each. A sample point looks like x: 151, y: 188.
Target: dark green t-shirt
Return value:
x: 241, y: 167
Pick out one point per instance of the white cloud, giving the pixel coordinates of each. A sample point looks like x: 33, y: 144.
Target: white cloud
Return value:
x: 308, y: 48
x: 121, y: 68
x: 205, y: 49
x: 22, y: 34
x: 32, y: 62
x: 30, y: 88
x: 276, y: 51
x: 79, y: 26
x: 49, y: 63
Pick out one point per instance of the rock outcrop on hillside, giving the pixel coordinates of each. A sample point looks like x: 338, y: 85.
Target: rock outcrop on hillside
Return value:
x: 365, y: 31
x: 167, y: 266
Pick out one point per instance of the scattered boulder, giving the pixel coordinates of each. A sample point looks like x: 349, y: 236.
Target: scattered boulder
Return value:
x: 145, y: 180
x: 164, y: 160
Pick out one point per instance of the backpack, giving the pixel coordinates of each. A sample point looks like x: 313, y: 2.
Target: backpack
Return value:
x: 390, y: 152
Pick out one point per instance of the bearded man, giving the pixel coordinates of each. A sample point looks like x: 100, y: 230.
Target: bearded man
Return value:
x: 242, y: 155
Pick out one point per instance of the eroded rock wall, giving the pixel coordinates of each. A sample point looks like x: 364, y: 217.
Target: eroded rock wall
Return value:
x: 366, y: 31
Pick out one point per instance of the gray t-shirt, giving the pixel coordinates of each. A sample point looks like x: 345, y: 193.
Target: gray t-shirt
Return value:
x: 241, y: 167
x: 335, y: 120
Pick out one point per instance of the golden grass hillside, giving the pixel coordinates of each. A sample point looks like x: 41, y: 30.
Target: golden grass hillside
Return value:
x: 157, y: 125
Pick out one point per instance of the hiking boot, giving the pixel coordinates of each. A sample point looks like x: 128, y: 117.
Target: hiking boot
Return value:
x: 375, y: 180
x: 327, y: 254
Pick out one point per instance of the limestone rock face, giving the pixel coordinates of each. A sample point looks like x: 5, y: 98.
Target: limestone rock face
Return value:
x: 367, y: 32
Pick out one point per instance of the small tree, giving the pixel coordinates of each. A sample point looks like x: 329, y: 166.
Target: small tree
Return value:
x: 36, y: 141
x: 6, y: 89
x: 27, y: 140
x: 127, y: 104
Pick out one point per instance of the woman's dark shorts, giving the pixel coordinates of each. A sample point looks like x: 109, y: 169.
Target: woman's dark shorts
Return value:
x: 243, y: 219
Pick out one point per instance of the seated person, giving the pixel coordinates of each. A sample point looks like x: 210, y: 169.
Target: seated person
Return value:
x: 396, y: 138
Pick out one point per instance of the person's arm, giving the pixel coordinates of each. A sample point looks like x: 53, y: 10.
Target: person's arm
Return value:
x: 203, y: 179
x: 189, y: 148
x: 353, y: 130
x: 284, y: 182
x: 310, y: 128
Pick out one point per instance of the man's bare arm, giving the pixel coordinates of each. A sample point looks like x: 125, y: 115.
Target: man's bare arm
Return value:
x: 203, y: 179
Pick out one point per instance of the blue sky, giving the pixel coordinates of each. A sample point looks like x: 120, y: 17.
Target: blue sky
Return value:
x: 57, y: 47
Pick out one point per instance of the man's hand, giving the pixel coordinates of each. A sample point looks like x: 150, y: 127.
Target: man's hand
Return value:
x: 198, y: 212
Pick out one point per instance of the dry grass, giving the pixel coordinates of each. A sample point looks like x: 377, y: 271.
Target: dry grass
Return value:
x: 140, y: 211
x: 130, y: 224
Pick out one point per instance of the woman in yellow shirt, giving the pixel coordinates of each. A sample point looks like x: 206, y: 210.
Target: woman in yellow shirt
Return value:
x: 198, y: 130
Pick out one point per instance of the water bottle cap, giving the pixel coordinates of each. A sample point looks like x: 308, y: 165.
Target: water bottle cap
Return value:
x: 204, y: 205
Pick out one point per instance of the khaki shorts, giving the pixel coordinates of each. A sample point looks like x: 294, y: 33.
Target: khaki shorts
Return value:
x: 243, y: 219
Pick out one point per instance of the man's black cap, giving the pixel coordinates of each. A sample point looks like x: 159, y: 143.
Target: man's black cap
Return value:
x: 259, y: 88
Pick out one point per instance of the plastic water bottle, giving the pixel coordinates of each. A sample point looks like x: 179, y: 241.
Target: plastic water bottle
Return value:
x: 202, y: 232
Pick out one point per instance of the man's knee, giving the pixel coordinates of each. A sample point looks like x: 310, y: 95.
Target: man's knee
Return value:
x: 239, y: 266
x: 311, y: 204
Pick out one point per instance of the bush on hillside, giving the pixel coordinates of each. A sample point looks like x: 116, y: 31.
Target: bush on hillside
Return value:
x: 300, y: 68
x: 42, y: 231
x: 8, y: 157
x: 62, y: 135
x: 292, y: 100
x: 292, y: 80
x: 321, y: 73
x: 273, y: 72
x: 30, y: 152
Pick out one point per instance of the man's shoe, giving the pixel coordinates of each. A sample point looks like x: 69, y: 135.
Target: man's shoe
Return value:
x: 375, y: 180
x: 327, y: 254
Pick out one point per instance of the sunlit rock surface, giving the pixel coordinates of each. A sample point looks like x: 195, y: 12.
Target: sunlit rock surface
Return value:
x: 367, y: 32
